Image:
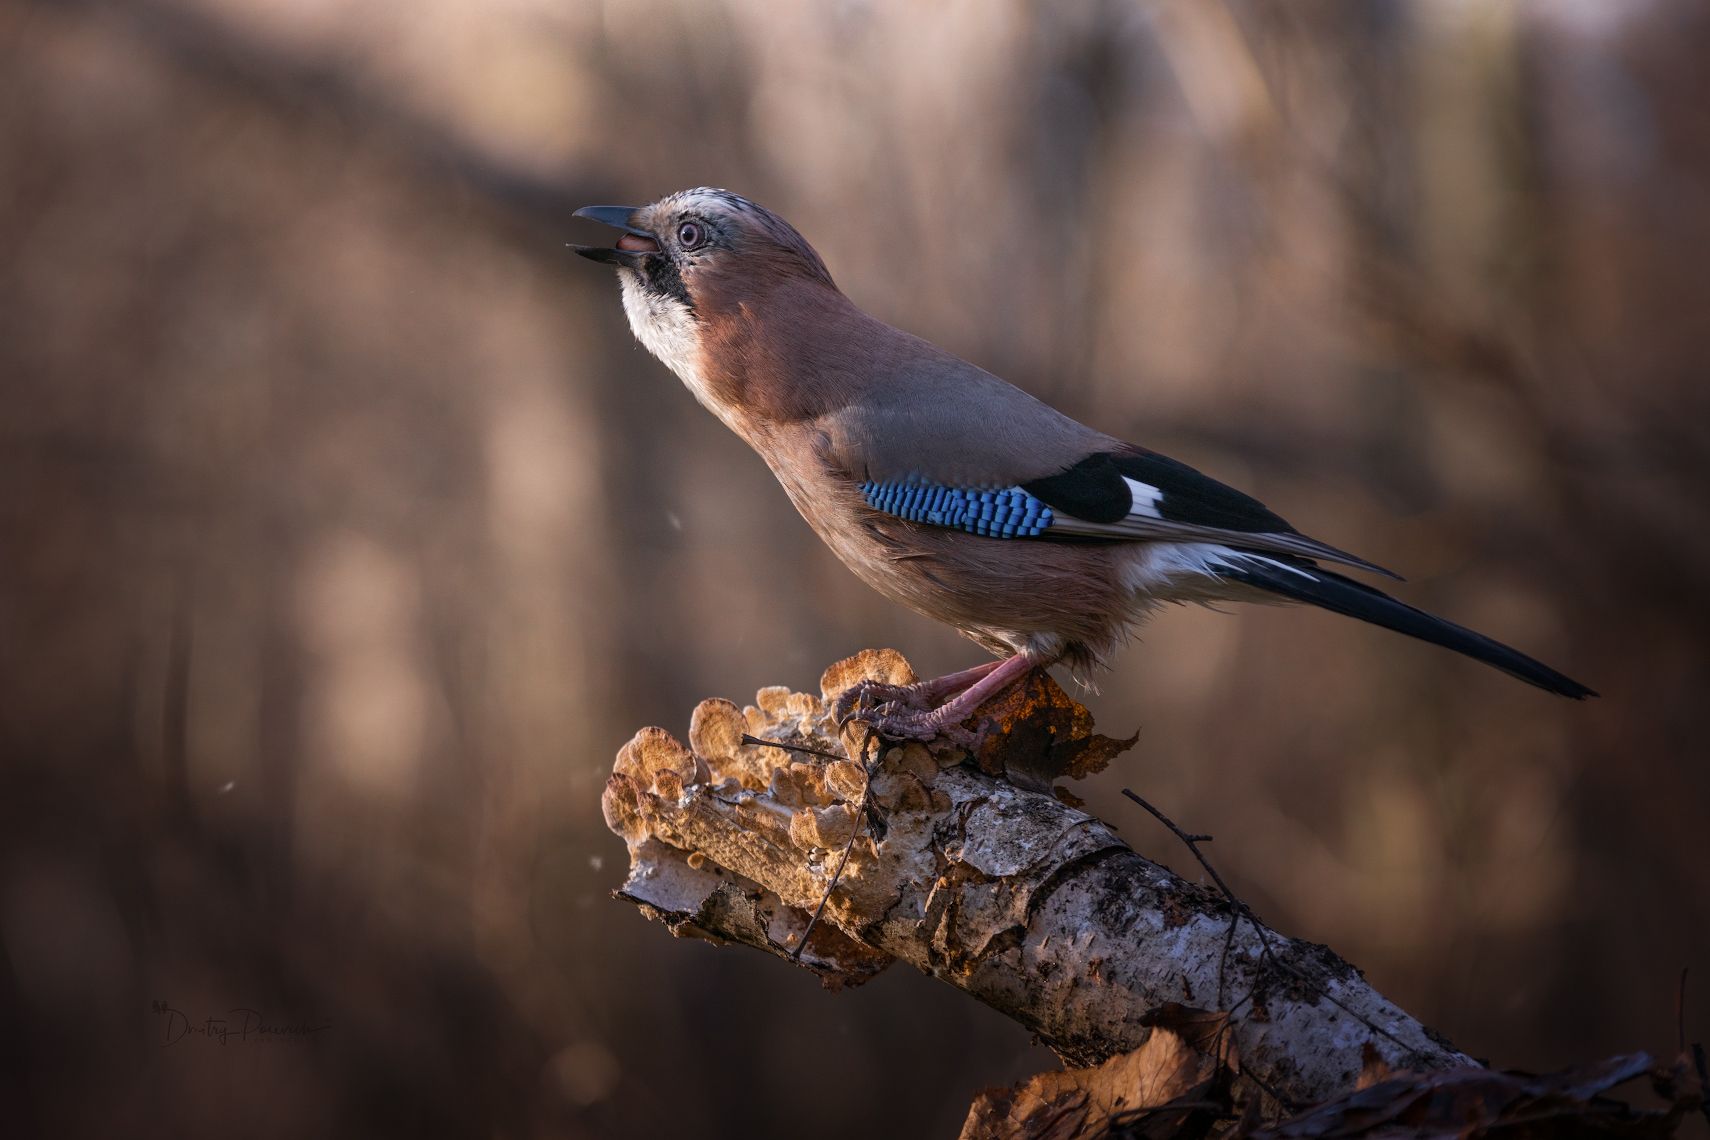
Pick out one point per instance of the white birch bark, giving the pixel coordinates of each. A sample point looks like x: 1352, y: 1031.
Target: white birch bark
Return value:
x: 1030, y: 905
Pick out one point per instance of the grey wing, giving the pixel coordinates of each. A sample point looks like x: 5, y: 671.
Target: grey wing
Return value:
x: 960, y: 448
x: 956, y: 424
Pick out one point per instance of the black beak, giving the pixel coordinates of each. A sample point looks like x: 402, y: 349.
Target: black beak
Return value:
x: 634, y: 246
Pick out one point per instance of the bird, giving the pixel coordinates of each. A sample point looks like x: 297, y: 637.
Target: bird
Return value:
x: 951, y: 491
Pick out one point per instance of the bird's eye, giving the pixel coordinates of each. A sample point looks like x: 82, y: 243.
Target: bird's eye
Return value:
x: 691, y: 235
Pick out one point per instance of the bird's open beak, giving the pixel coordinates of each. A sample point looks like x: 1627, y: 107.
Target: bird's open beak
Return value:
x: 634, y: 245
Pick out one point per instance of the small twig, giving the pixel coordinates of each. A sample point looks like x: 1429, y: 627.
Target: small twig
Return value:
x: 763, y: 742
x: 1243, y: 910
x: 860, y: 822
x: 1288, y: 1107
x: 1192, y: 842
x: 1223, y: 961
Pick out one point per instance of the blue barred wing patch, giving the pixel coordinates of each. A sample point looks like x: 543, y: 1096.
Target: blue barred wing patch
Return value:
x: 997, y: 512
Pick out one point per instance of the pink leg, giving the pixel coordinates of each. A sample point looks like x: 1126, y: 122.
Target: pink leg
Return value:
x: 998, y: 677
x: 892, y: 710
x: 919, y: 697
x: 937, y: 688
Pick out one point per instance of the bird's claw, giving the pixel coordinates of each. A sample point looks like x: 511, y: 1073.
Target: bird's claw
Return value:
x: 871, y: 701
x: 926, y: 728
x: 893, y: 712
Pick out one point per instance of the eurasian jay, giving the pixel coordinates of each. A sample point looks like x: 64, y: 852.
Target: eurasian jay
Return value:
x: 947, y: 489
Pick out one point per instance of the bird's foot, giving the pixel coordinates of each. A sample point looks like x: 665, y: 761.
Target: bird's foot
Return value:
x: 870, y: 699
x: 926, y: 727
x: 900, y: 712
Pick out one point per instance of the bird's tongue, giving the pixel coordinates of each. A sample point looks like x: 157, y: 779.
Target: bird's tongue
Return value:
x: 635, y: 243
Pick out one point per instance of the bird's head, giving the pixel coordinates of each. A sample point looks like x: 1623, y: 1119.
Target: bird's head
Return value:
x: 694, y: 247
x: 692, y: 261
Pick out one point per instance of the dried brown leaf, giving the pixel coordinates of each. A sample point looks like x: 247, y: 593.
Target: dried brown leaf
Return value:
x: 1373, y: 1068
x: 1037, y: 734
x: 1203, y: 1029
x: 1169, y: 1086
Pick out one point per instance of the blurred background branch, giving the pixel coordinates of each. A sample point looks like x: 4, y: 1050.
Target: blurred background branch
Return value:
x: 233, y: 53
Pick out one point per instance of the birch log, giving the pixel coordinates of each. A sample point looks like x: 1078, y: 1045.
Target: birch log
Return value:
x: 1030, y: 905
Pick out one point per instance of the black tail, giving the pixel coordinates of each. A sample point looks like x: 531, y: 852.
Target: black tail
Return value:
x: 1345, y: 596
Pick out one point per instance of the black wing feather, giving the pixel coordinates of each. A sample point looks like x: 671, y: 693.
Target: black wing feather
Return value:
x: 1092, y: 489
x: 1302, y: 582
x: 1095, y: 503
x: 1190, y: 496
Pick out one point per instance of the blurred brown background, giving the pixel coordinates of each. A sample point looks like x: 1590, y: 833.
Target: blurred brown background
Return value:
x: 345, y: 533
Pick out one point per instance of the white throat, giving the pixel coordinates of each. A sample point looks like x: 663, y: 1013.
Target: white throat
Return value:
x: 666, y: 328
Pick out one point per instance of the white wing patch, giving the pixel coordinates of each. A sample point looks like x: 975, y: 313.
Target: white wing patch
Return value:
x: 1146, y: 499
